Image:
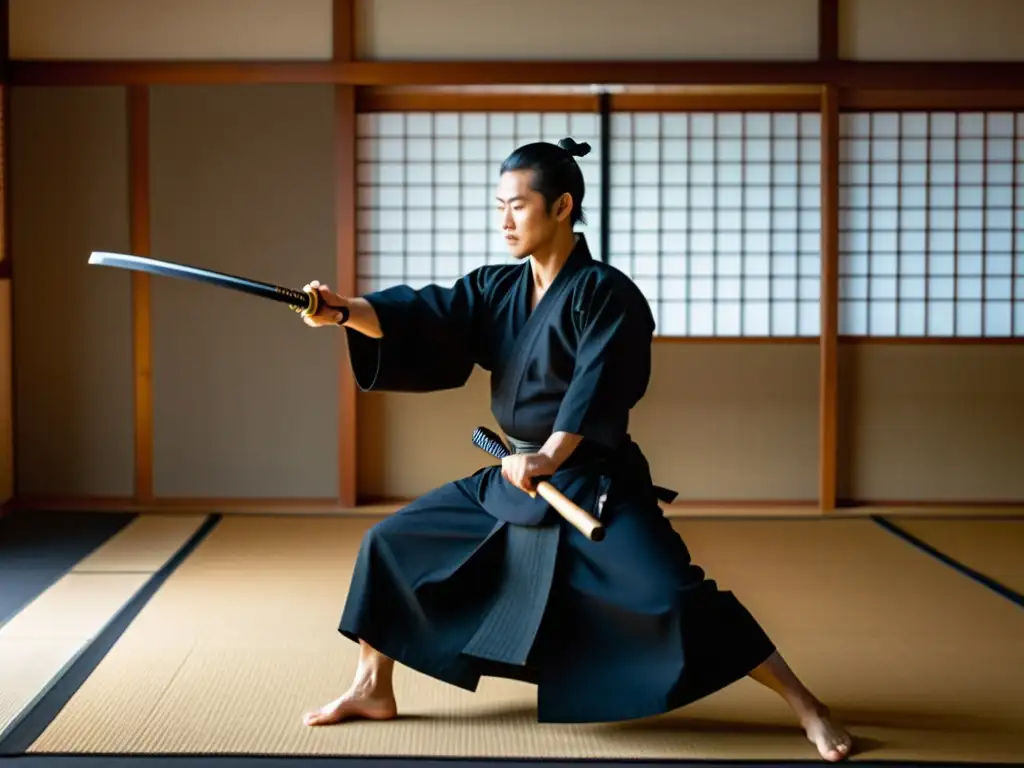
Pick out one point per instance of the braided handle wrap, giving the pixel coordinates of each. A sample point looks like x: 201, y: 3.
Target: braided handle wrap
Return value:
x: 575, y: 515
x: 490, y: 442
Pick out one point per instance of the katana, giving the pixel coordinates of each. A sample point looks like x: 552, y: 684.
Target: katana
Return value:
x: 305, y: 303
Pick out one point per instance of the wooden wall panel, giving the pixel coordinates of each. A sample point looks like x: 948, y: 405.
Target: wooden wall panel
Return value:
x: 587, y: 29
x: 245, y: 396
x: 721, y: 421
x: 410, y: 443
x: 932, y: 30
x: 178, y: 30
x: 736, y: 422
x: 733, y: 421
x: 72, y: 322
x: 931, y: 423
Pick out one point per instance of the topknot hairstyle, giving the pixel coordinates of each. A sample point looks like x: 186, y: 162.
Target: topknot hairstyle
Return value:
x: 555, y: 171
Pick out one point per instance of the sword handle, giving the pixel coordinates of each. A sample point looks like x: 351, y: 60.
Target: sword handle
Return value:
x: 573, y: 514
x: 315, y: 302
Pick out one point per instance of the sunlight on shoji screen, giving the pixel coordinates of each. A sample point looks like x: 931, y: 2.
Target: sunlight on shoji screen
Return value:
x: 931, y: 221
x: 716, y: 216
x: 427, y: 182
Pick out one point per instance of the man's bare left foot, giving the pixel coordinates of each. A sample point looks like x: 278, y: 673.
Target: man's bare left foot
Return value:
x: 371, y: 696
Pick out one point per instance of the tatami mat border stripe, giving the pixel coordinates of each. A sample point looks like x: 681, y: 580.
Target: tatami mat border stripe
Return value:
x: 987, y: 581
x: 31, y: 723
x: 65, y: 562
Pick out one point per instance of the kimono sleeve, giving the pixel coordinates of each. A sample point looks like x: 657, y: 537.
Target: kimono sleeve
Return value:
x: 613, y: 364
x: 430, y: 337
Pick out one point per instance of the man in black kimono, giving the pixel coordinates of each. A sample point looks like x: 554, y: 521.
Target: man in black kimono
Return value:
x: 480, y: 577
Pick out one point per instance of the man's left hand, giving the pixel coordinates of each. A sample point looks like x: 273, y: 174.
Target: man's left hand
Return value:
x: 520, y: 469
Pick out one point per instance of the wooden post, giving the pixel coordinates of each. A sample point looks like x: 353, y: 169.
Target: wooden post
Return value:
x: 345, y: 220
x: 142, y: 354
x: 828, y: 369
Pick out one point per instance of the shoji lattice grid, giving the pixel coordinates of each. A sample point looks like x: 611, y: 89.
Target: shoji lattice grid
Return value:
x: 931, y: 215
x: 427, y: 182
x: 716, y: 216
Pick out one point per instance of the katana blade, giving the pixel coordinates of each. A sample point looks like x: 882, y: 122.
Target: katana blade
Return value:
x: 306, y: 302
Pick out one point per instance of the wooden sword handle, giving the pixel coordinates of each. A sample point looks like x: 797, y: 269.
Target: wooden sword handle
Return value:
x: 573, y: 513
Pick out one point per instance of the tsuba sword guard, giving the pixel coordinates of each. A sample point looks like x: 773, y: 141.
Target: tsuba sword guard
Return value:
x: 312, y: 307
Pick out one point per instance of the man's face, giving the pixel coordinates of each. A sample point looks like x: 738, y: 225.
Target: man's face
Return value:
x: 523, y: 214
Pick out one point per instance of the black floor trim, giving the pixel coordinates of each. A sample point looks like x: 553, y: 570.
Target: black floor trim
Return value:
x: 38, y: 548
x: 996, y: 586
x: 23, y: 732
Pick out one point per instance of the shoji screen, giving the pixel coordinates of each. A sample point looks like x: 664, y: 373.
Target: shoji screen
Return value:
x: 427, y: 184
x: 716, y: 216
x: 931, y: 240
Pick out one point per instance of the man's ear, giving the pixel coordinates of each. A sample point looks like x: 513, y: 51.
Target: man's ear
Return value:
x: 564, y: 207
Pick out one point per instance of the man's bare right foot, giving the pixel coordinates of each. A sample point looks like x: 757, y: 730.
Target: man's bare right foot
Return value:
x: 353, y: 704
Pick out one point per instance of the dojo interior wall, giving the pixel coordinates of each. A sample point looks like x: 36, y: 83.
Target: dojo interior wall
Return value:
x: 244, y: 395
x: 592, y: 30
x: 241, y: 179
x: 6, y: 399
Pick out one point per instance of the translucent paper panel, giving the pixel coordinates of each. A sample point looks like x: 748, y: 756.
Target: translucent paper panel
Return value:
x: 427, y: 183
x: 931, y: 215
x: 716, y: 217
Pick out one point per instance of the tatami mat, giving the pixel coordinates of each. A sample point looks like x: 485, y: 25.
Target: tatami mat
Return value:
x: 923, y: 663
x: 144, y: 546
x: 49, y: 633
x: 37, y: 548
x: 27, y: 665
x: 992, y: 547
x: 77, y: 606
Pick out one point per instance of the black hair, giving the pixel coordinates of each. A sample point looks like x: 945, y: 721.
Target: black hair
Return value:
x: 555, y: 171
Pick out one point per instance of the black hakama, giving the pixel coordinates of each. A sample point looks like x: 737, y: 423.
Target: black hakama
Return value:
x: 477, y: 578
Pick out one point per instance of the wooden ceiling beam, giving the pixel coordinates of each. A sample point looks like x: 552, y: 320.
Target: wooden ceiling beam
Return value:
x: 918, y: 76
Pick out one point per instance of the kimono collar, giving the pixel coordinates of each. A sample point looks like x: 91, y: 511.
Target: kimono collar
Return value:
x: 581, y: 251
x: 578, y: 257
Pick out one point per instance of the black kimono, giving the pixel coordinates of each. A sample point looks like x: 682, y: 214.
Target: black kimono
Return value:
x: 478, y: 578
